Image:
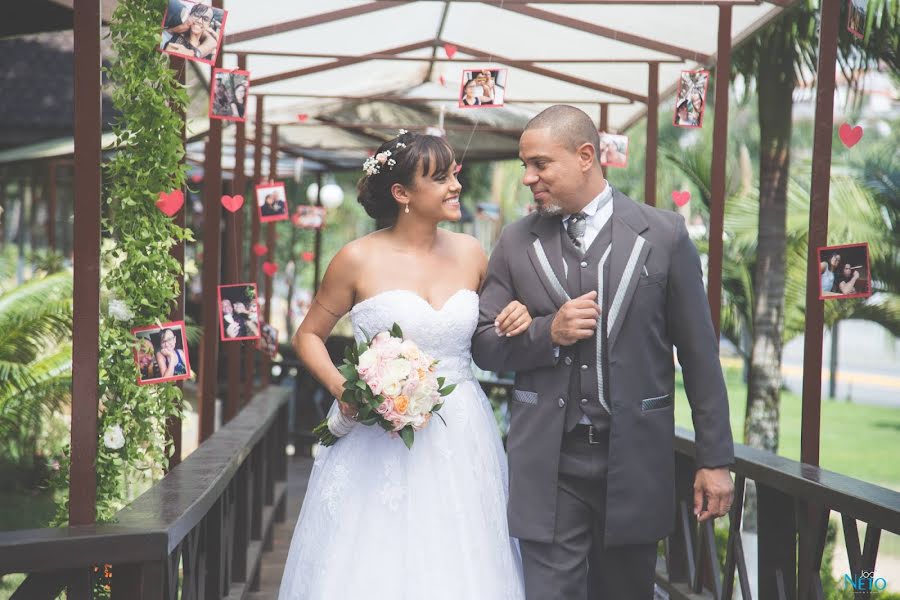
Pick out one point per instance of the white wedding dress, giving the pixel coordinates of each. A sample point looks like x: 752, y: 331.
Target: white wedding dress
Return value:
x: 380, y: 521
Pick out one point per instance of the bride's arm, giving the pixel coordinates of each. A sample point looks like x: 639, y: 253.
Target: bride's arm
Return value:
x: 333, y: 300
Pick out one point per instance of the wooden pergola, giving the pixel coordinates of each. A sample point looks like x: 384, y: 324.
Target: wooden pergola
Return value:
x: 575, y: 77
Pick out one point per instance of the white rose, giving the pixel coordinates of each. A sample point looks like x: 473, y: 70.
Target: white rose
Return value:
x: 408, y: 349
x: 113, y: 438
x: 391, y: 389
x: 367, y: 360
x: 396, y: 371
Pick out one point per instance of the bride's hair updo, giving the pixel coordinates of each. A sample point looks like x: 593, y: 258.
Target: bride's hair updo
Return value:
x: 396, y: 161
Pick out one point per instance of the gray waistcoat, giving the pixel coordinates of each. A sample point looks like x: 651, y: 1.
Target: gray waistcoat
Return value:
x: 582, y: 278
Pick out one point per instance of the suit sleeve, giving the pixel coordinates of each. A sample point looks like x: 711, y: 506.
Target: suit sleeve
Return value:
x: 691, y: 330
x: 530, y: 350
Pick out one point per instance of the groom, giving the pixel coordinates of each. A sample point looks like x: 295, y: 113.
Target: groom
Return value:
x: 612, y: 285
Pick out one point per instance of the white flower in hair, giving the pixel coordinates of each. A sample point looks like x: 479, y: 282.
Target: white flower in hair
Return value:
x: 371, y: 166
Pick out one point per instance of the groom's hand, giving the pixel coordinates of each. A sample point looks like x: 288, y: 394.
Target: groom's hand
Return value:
x: 717, y: 489
x: 576, y: 320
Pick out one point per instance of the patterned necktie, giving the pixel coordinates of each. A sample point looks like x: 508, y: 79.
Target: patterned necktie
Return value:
x: 575, y: 228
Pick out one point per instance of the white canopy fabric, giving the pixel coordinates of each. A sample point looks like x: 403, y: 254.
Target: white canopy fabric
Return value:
x: 681, y: 35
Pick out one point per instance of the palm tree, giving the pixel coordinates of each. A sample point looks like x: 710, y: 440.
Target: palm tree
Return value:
x: 776, y: 60
x: 35, y: 360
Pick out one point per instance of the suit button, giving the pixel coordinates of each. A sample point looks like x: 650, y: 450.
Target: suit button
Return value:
x: 584, y: 401
x: 584, y: 367
x: 562, y: 402
x: 568, y: 360
x: 583, y: 264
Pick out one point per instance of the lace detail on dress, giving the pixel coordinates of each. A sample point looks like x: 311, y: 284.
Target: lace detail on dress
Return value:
x: 436, y: 513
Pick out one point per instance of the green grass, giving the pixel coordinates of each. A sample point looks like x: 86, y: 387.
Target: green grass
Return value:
x: 857, y: 440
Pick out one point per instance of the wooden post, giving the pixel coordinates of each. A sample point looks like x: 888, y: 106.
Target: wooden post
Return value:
x: 317, y: 248
x: 240, y: 187
x: 270, y: 255
x: 51, y: 205
x: 604, y: 117
x: 719, y: 154
x: 173, y: 424
x: 212, y: 218
x: 250, y: 365
x: 652, y: 134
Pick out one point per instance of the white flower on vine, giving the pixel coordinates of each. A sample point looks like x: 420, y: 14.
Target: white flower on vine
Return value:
x: 119, y: 310
x: 113, y: 438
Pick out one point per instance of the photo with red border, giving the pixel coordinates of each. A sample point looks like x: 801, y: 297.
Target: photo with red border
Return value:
x: 844, y: 271
x: 161, y: 353
x: 856, y: 18
x: 482, y: 88
x: 228, y: 97
x: 271, y: 202
x: 238, y: 312
x: 691, y: 92
x: 613, y: 150
x: 193, y: 30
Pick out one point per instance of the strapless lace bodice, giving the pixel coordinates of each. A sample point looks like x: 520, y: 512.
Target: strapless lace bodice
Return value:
x: 444, y: 333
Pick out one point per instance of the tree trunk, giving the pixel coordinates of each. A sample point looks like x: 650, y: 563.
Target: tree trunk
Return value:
x: 775, y: 83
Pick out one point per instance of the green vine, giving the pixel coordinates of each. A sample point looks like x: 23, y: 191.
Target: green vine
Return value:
x: 140, y: 280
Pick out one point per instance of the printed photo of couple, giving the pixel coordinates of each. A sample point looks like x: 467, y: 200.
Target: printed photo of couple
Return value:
x: 613, y: 150
x: 690, y: 101
x: 238, y: 314
x: 309, y: 217
x: 193, y: 30
x: 271, y: 201
x: 844, y: 272
x: 228, y: 97
x: 160, y: 353
x: 856, y: 17
x: 482, y: 88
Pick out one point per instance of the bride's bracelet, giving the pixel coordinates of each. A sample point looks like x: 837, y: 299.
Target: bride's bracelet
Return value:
x: 339, y: 424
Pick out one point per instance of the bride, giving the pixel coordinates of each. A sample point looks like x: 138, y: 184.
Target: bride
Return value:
x: 380, y: 521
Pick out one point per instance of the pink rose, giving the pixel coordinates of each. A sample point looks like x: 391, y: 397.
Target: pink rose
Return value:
x: 385, y: 407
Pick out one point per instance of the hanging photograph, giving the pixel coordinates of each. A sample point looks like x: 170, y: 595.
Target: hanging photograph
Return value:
x: 268, y: 341
x: 844, y: 272
x: 228, y: 97
x: 309, y: 217
x: 160, y: 353
x: 271, y: 201
x: 613, y: 150
x: 193, y: 30
x: 856, y: 17
x: 482, y: 88
x: 690, y: 101
x: 238, y: 312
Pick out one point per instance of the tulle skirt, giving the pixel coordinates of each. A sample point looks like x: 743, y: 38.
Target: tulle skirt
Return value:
x: 380, y: 521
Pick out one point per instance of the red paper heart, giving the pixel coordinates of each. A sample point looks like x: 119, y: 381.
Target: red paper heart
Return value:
x: 681, y: 198
x: 270, y: 268
x: 170, y: 203
x: 233, y: 203
x: 850, y: 135
x: 308, y: 256
x: 259, y: 249
x: 450, y: 49
x: 302, y: 117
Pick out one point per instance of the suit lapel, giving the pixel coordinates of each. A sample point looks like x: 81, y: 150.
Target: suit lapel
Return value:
x: 546, y: 257
x: 629, y: 253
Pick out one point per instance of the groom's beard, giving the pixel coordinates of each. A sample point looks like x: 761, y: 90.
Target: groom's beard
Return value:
x: 549, y: 209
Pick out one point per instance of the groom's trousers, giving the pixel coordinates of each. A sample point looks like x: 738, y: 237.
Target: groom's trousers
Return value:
x: 576, y: 566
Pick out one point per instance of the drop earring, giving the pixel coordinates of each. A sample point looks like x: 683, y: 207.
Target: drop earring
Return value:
x: 406, y: 210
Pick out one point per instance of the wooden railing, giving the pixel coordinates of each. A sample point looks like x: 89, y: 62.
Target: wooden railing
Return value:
x: 198, y: 533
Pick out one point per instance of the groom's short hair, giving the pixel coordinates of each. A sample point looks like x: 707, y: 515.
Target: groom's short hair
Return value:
x: 571, y: 126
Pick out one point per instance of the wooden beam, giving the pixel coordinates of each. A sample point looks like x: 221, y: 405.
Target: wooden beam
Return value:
x: 607, y: 32
x: 652, y: 135
x: 337, y: 64
x: 311, y: 21
x: 417, y: 100
x: 630, y: 2
x: 533, y: 68
x: 482, y: 58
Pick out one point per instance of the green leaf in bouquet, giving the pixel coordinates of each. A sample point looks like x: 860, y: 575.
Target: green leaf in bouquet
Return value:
x: 348, y: 371
x: 367, y: 336
x: 348, y: 353
x: 396, y: 331
x: 437, y: 407
x: 360, y: 349
x: 361, y: 385
x: 369, y: 421
x: 439, y: 415
x: 348, y: 396
x: 407, y: 435
x: 365, y: 411
x: 447, y: 390
x: 440, y: 381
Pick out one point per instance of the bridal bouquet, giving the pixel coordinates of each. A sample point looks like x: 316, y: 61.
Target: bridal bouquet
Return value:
x: 391, y: 382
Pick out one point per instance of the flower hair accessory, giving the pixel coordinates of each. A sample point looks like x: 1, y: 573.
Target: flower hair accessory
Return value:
x: 373, y: 164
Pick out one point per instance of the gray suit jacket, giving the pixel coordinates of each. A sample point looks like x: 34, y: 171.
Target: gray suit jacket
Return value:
x: 657, y: 301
